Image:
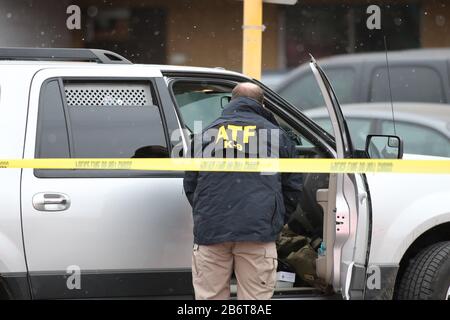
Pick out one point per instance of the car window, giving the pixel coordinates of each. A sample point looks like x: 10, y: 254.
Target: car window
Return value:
x: 408, y: 83
x: 419, y: 139
x: 304, y: 92
x: 204, y: 101
x: 100, y: 120
x: 201, y: 101
x: 359, y: 129
x: 53, y: 139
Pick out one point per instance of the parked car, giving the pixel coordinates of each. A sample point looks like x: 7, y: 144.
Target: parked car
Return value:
x: 129, y: 233
x: 272, y: 79
x: 420, y: 75
x: 424, y: 127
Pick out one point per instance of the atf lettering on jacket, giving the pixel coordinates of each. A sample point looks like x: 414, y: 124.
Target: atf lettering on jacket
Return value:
x: 235, y: 137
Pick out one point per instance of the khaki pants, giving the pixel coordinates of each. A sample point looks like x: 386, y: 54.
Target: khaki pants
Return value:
x: 254, y: 264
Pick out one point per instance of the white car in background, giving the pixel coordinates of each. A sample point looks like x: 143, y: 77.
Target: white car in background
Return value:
x: 424, y: 127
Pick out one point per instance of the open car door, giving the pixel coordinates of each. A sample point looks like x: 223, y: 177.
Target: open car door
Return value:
x: 347, y: 215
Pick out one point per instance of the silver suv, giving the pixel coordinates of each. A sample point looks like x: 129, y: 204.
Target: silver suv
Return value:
x: 119, y: 233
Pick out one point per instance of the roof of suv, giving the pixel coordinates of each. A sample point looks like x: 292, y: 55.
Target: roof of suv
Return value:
x: 163, y: 68
x: 93, y: 58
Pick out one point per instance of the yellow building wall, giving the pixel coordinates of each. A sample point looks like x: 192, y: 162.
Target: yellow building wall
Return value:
x: 210, y: 34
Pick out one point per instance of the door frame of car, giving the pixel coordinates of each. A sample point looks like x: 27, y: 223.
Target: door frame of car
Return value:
x: 344, y: 277
x: 352, y: 243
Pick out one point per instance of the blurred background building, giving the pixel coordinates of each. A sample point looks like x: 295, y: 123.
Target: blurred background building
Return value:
x: 209, y: 32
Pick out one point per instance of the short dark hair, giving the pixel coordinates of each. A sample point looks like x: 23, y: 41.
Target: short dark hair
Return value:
x: 248, y: 90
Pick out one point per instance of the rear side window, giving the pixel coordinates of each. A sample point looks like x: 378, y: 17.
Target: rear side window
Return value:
x: 408, y: 83
x: 53, y: 141
x: 99, y: 120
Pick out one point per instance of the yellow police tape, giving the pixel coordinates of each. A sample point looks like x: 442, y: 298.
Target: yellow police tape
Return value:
x: 240, y: 165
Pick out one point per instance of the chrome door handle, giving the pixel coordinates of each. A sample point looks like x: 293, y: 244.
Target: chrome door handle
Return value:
x: 51, y: 201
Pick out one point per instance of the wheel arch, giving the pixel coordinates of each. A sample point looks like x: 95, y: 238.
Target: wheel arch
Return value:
x: 433, y: 235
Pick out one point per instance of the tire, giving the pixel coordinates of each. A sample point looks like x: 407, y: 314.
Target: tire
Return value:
x: 427, y: 277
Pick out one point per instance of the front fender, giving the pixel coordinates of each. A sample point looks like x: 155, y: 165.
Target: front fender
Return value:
x: 404, y: 207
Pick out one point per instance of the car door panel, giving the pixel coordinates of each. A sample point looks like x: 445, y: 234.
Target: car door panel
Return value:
x: 123, y: 236
x: 349, y: 195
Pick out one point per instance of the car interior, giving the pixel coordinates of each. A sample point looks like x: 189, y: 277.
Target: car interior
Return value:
x: 303, y: 236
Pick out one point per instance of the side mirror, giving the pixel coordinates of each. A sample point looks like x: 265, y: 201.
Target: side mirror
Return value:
x: 384, y: 147
x: 224, y: 100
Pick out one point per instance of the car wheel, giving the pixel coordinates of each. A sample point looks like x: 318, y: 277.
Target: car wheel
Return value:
x: 427, y: 277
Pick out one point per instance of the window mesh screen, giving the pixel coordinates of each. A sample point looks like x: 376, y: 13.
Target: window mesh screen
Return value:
x: 108, y: 94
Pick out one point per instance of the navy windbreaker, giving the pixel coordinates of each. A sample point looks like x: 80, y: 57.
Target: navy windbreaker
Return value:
x: 241, y: 206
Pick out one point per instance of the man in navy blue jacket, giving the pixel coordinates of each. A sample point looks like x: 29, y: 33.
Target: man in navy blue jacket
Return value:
x: 238, y: 215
